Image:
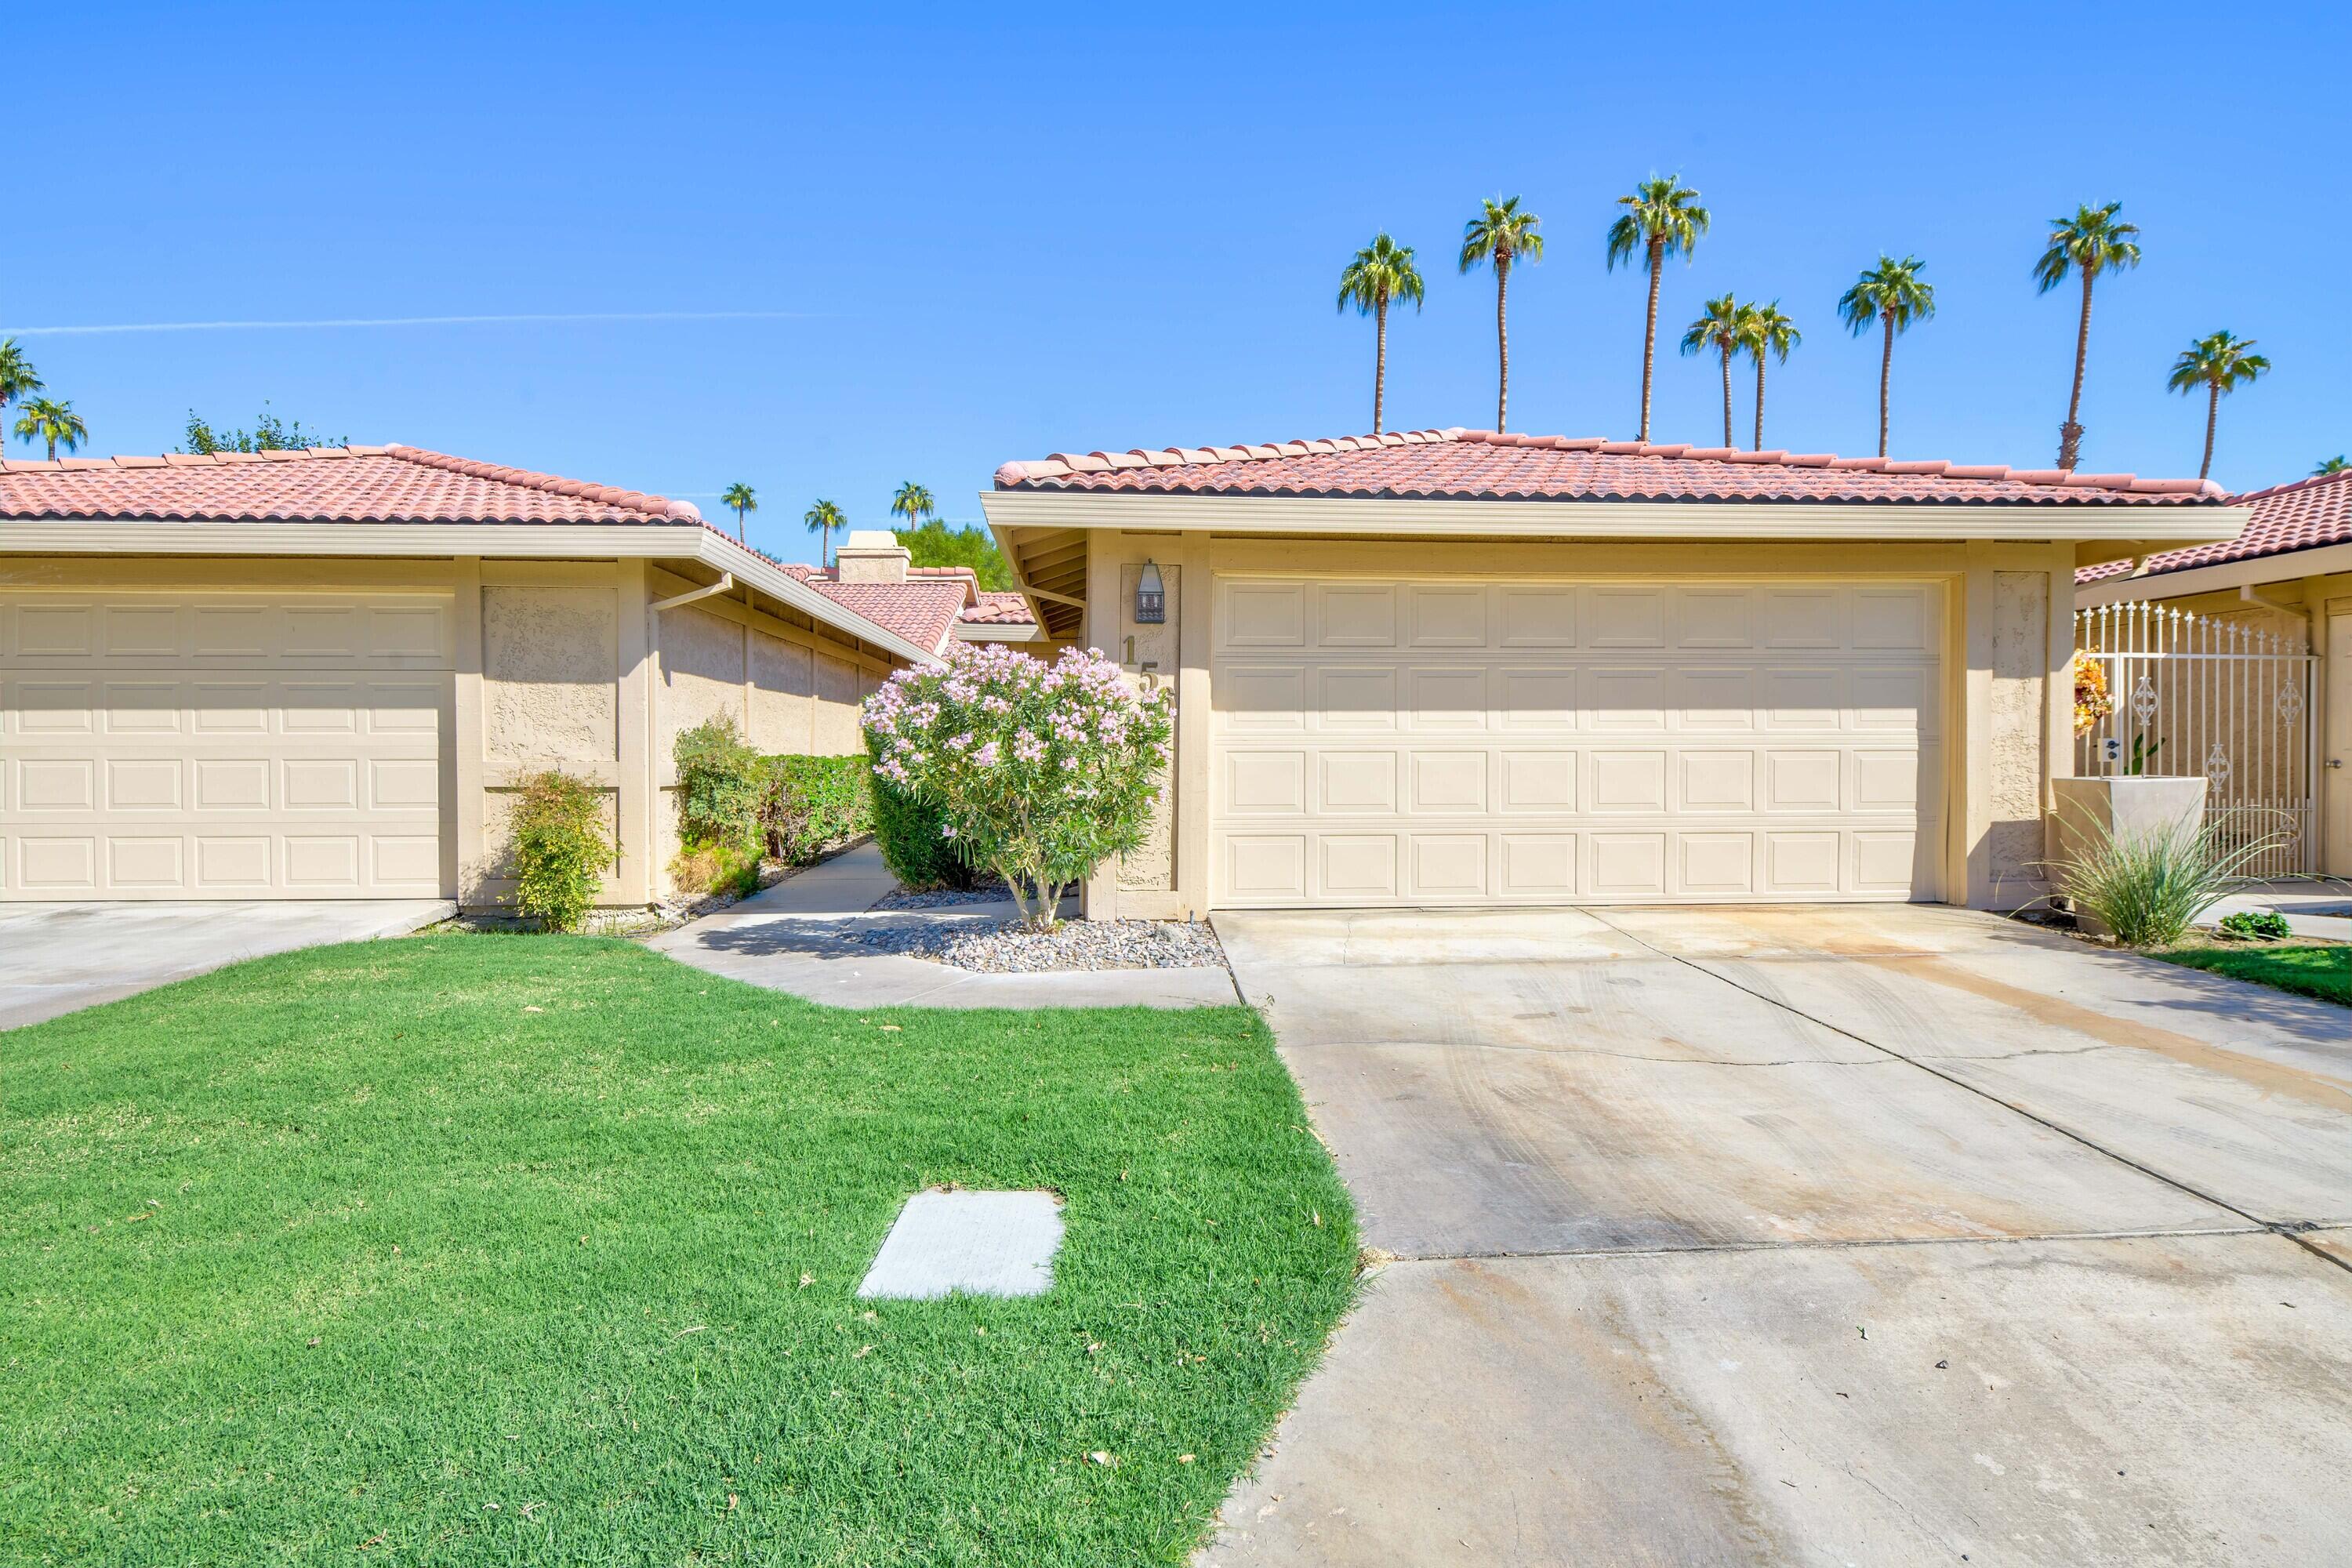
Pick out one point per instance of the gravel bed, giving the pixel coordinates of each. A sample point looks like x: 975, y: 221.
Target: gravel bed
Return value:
x: 1073, y: 944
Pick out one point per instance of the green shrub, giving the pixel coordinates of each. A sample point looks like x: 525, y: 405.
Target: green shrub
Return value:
x: 560, y: 849
x: 2268, y: 925
x: 2148, y: 888
x: 913, y: 848
x: 723, y: 787
x: 716, y: 868
x: 814, y: 802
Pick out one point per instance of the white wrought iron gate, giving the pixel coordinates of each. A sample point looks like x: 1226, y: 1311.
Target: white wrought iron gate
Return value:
x: 2193, y: 694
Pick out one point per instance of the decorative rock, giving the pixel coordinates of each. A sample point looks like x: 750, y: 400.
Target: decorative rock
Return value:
x: 1073, y: 944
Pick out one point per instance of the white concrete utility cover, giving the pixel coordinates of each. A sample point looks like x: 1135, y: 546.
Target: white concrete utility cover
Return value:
x: 984, y: 1244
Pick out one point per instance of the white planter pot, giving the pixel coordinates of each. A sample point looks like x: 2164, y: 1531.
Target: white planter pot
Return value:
x: 2088, y: 812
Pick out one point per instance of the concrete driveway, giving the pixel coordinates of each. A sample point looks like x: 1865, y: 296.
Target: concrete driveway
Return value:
x: 55, y: 958
x: 1841, y: 1236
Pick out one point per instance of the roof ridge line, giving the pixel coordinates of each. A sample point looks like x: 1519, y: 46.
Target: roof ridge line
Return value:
x: 133, y: 462
x: 553, y: 484
x: 1060, y: 464
x: 2308, y: 481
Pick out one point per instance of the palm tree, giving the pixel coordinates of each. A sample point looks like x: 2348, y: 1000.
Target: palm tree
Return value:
x: 1891, y: 294
x: 2335, y: 465
x: 56, y: 423
x: 912, y: 502
x: 1769, y: 331
x: 740, y: 496
x: 822, y: 517
x: 1501, y: 232
x: 1662, y: 219
x: 2089, y: 243
x: 1723, y: 328
x: 2218, y: 362
x: 1381, y: 271
x: 17, y: 377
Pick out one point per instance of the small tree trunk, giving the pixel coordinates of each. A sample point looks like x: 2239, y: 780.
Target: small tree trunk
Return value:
x: 1759, y: 401
x: 1380, y: 366
x: 2212, y: 414
x: 1502, y: 339
x: 1886, y: 377
x: 2070, y: 435
x: 1650, y: 335
x: 1727, y: 441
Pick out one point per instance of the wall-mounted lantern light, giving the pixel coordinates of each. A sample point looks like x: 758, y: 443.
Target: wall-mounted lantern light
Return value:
x: 1151, y: 597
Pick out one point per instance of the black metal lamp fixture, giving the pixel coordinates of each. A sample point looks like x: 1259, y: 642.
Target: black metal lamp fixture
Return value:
x: 1151, y: 597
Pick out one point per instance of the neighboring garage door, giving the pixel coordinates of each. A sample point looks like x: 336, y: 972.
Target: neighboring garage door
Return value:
x: 1459, y: 743
x: 221, y: 745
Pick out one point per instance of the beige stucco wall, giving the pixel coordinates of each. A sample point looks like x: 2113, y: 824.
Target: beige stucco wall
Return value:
x: 2004, y: 650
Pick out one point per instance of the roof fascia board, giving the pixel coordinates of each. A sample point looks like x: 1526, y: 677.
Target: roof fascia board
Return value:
x: 2286, y: 566
x: 2200, y: 523
x: 503, y: 541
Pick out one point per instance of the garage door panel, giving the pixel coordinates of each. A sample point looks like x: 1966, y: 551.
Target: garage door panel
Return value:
x: 222, y: 746
x: 1608, y: 741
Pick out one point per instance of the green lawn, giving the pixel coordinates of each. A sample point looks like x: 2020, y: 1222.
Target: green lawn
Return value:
x: 2308, y: 969
x: 503, y: 1249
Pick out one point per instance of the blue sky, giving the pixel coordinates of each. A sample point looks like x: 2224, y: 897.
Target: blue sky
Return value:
x: 995, y: 232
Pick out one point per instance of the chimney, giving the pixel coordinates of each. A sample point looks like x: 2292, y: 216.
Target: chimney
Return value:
x: 872, y: 555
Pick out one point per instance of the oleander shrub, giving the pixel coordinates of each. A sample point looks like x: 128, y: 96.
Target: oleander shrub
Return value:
x: 907, y: 830
x: 722, y: 788
x: 562, y: 848
x: 1039, y: 772
x: 812, y: 803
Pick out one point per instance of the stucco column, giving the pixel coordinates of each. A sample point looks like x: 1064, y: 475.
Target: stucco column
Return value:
x: 634, y: 779
x: 462, y: 855
x: 1974, y: 806
x: 1192, y: 869
x: 1105, y: 553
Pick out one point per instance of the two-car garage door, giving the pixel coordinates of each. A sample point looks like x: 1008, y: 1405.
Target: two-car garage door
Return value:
x: 251, y: 745
x: 1443, y: 741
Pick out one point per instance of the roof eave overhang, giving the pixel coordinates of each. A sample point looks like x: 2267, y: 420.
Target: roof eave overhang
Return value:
x: 2285, y: 567
x: 678, y: 540
x: 2171, y: 526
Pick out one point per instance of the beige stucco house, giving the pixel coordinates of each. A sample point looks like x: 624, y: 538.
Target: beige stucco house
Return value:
x: 1457, y: 667
x: 316, y: 674
x: 2288, y: 574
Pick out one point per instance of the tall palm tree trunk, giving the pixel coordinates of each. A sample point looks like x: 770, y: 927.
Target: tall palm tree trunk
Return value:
x: 2213, y: 415
x: 1380, y: 364
x: 1650, y: 337
x: 1760, y: 402
x: 1727, y: 441
x: 1502, y: 338
x: 2209, y: 446
x: 2070, y: 434
x: 1886, y: 377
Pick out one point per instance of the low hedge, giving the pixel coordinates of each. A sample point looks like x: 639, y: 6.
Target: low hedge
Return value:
x: 735, y: 804
x: 907, y: 832
x: 814, y: 802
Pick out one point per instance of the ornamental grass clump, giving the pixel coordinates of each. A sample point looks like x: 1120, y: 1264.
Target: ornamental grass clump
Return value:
x: 2148, y: 888
x: 1039, y: 772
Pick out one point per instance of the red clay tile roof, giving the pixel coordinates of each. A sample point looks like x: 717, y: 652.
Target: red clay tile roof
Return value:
x: 2304, y: 515
x: 319, y: 484
x: 1480, y: 464
x: 996, y: 609
x: 922, y: 609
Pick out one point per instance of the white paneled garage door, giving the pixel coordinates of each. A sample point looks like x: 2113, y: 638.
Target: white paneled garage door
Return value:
x: 252, y: 745
x: 1399, y: 742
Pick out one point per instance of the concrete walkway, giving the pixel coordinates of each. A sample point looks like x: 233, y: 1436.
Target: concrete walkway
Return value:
x: 1881, y: 1235
x: 57, y: 958
x: 798, y: 936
